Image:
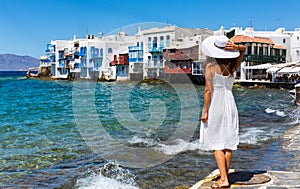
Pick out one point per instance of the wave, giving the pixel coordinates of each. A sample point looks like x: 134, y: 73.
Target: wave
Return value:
x: 178, y: 146
x: 254, y: 135
x: 168, y: 148
x: 110, y: 176
x: 277, y: 112
x: 250, y: 136
x: 147, y: 142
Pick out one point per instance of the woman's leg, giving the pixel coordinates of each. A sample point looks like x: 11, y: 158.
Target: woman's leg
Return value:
x: 228, y: 158
x: 222, y: 165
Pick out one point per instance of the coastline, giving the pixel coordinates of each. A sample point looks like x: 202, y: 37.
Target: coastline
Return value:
x: 290, y: 144
x: 268, y: 84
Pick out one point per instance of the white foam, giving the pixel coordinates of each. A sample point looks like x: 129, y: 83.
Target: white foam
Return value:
x: 123, y: 179
x: 250, y: 135
x: 277, y: 112
x: 178, y: 146
x: 100, y: 182
x: 146, y: 141
x: 168, y: 147
x: 269, y: 110
x: 254, y: 135
x: 280, y: 113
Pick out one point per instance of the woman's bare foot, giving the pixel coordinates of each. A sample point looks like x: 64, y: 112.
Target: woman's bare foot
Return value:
x: 220, y: 184
x: 223, y: 183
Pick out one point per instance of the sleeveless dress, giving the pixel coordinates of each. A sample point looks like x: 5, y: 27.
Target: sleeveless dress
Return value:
x: 222, y: 128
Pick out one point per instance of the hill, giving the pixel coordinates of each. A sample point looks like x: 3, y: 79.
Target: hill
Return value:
x: 12, y: 62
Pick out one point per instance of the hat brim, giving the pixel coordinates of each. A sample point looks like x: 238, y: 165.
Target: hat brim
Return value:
x: 208, y: 48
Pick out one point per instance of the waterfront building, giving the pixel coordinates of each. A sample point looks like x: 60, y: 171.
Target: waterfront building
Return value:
x: 263, y: 49
x: 259, y: 51
x: 161, y: 43
x: 164, y: 53
x: 59, y: 54
x: 136, y: 61
x: 87, y: 58
x: 123, y: 57
x: 295, y: 45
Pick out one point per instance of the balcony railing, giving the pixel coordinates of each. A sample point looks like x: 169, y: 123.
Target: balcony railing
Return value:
x: 135, y: 48
x: 156, y: 49
x: 260, y: 59
x: 132, y: 60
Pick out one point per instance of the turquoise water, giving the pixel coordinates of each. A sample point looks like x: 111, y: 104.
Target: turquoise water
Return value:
x: 54, y: 133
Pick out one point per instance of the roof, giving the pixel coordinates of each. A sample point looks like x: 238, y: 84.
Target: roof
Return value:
x: 249, y: 39
x: 277, y: 46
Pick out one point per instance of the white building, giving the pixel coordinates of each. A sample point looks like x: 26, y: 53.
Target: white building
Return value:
x: 108, y: 57
x: 157, y: 39
x: 88, y: 57
x: 289, y: 40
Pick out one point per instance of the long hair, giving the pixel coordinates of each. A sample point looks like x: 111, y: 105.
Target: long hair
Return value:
x: 225, y: 61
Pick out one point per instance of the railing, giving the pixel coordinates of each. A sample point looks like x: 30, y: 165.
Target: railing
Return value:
x: 264, y: 59
x: 136, y: 60
x: 49, y: 51
x: 156, y: 49
x: 135, y: 48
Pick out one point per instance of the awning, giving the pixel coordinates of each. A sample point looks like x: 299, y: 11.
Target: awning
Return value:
x: 273, y: 69
x: 285, y: 70
x: 295, y: 70
x: 259, y: 67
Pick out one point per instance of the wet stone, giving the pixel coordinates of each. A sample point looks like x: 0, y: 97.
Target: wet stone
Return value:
x: 240, y: 179
x: 248, y: 178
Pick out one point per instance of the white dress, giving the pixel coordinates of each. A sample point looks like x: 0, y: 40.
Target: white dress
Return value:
x: 222, y: 128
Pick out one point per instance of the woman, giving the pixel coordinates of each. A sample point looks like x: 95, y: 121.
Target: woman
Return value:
x: 219, y: 112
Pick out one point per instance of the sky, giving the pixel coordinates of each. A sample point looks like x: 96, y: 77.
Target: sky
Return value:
x: 26, y: 26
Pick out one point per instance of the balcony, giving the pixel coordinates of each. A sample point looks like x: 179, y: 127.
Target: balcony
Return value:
x: 135, y: 48
x: 261, y: 59
x: 50, y: 51
x: 133, y: 60
x: 156, y: 50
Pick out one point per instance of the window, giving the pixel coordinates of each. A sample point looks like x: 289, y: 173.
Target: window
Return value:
x: 260, y: 50
x: 168, y: 41
x: 155, y: 42
x: 162, y: 41
x: 266, y: 51
x: 283, y: 40
x: 297, y: 53
x: 110, y: 50
x: 149, y: 43
x: 255, y: 50
x: 297, y: 38
x: 249, y: 50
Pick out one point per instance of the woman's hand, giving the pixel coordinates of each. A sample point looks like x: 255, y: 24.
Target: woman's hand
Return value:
x: 231, y: 46
x: 204, y: 117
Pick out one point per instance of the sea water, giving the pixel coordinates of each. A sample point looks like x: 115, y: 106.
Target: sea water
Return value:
x: 50, y: 133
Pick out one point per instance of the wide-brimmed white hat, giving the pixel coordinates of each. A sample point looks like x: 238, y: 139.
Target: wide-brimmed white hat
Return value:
x: 213, y: 46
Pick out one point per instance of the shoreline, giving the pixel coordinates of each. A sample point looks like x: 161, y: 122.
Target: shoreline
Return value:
x: 268, y: 84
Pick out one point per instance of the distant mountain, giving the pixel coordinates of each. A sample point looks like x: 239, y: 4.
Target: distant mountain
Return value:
x: 12, y: 62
